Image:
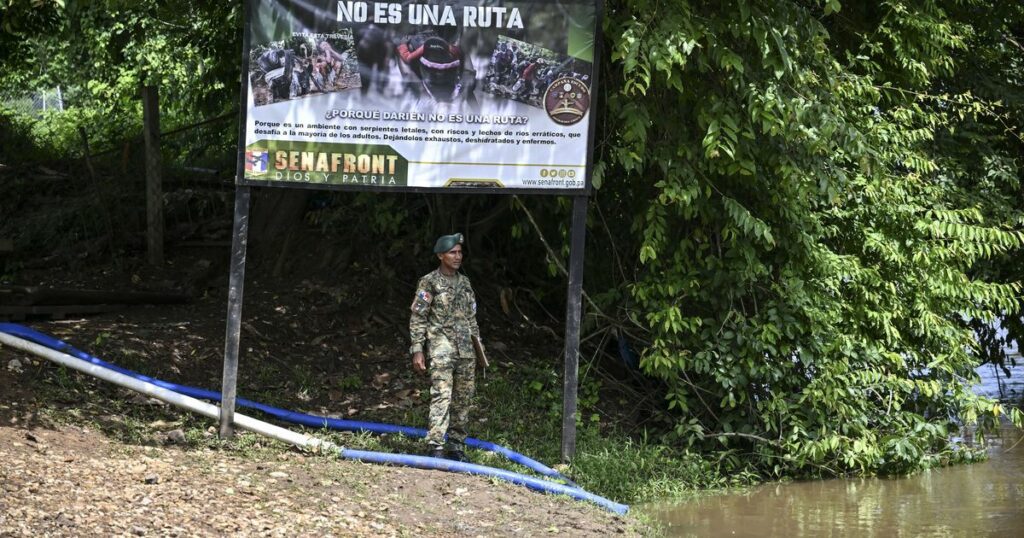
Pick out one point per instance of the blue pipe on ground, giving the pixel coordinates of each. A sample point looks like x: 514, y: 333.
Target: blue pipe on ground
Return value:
x: 303, y: 440
x: 312, y: 421
x: 423, y: 462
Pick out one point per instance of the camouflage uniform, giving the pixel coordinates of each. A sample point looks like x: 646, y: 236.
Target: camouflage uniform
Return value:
x: 444, y: 318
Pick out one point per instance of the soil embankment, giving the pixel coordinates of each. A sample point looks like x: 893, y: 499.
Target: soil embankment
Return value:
x: 83, y: 458
x: 69, y: 480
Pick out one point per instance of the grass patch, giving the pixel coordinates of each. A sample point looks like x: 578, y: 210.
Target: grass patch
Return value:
x: 522, y: 409
x: 620, y: 467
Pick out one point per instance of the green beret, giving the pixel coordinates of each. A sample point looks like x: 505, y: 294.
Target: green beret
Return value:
x: 447, y: 242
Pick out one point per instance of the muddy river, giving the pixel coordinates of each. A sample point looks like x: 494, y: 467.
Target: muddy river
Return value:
x: 984, y: 499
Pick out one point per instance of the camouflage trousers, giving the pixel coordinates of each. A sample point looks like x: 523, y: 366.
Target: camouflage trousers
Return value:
x: 452, y: 386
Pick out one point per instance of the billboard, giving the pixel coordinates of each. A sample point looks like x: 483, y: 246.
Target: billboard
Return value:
x: 451, y: 95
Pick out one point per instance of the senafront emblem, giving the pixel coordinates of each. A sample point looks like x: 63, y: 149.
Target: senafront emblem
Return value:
x: 567, y: 100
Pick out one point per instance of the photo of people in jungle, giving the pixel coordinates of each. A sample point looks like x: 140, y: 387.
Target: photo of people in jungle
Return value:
x: 523, y: 72
x: 304, y: 65
x: 422, y: 63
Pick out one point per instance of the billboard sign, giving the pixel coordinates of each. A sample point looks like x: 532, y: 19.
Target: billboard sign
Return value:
x: 456, y: 95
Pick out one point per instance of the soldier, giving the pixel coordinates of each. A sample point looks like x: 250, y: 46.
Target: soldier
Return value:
x: 444, y: 321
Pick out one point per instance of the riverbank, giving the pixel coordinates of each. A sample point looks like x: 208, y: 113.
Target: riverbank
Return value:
x: 90, y: 458
x: 983, y: 498
x: 73, y: 480
x: 84, y: 458
x: 319, y: 346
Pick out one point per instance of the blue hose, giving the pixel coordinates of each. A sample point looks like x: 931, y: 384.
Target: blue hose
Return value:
x: 293, y: 417
x: 536, y: 484
x: 421, y: 462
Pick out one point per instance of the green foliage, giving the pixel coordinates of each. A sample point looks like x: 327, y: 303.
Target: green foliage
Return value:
x: 99, y: 54
x: 102, y: 52
x: 810, y: 222
x: 608, y: 460
x: 16, y: 136
x: 805, y: 210
x: 639, y: 471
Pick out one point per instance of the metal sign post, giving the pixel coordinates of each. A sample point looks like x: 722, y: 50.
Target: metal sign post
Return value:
x: 236, y: 283
x: 574, y: 299
x: 573, y: 306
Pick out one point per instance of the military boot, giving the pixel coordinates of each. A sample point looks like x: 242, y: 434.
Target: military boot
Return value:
x: 457, y: 455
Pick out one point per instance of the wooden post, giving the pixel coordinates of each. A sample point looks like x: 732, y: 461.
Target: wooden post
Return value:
x: 154, y: 187
x: 572, y: 326
x: 236, y: 282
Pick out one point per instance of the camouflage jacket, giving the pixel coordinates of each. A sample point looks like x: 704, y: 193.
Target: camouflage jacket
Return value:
x: 443, y: 315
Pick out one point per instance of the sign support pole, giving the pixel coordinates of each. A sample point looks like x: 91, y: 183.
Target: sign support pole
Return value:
x: 239, y: 241
x: 572, y: 326
x: 154, y: 183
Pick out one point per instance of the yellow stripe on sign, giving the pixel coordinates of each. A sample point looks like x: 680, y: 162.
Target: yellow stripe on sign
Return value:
x: 503, y: 164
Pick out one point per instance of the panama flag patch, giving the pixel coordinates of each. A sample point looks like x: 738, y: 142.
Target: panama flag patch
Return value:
x: 256, y: 162
x: 422, y: 301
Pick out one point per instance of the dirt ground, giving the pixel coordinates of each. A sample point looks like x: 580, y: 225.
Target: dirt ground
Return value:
x: 72, y: 481
x: 310, y: 344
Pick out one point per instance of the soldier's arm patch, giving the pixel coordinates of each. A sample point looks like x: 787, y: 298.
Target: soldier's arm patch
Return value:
x: 421, y: 302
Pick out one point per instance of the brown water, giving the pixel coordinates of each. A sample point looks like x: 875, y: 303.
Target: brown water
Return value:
x: 984, y: 499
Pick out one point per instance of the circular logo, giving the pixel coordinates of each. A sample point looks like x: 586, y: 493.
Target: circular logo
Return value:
x: 567, y: 100
x: 543, y: 172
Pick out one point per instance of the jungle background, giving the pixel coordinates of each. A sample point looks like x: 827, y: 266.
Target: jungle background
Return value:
x: 806, y: 221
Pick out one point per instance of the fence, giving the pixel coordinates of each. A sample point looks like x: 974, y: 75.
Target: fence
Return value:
x: 36, y: 103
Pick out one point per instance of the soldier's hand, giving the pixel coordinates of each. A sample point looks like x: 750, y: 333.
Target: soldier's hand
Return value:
x: 419, y: 363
